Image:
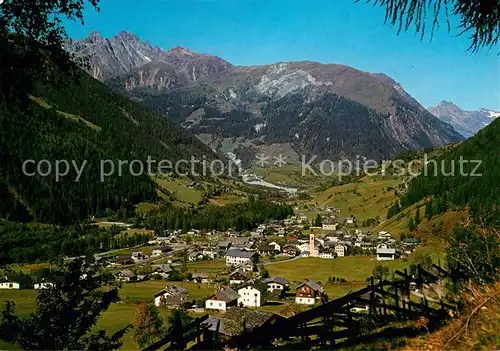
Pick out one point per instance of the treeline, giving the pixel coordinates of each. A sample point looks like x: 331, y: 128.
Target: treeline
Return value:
x: 80, y: 121
x: 466, y: 175
x: 27, y: 243
x: 240, y: 216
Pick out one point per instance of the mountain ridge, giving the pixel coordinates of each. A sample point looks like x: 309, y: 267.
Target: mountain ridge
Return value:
x: 224, y: 103
x: 467, y: 123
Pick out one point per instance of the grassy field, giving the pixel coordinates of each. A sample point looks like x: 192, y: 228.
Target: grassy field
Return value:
x: 180, y: 190
x: 120, y: 314
x: 351, y: 268
x: 290, y: 175
x: 367, y: 199
x: 210, y: 267
x: 76, y: 118
x: 226, y: 199
x: 145, y: 207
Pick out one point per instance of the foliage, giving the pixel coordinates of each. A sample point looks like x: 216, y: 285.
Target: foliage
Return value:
x: 34, y: 243
x: 478, y: 18
x: 239, y: 216
x: 66, y: 313
x: 318, y: 221
x: 148, y: 324
x: 474, y: 251
x: 477, y: 189
x: 380, y: 272
x: 31, y: 43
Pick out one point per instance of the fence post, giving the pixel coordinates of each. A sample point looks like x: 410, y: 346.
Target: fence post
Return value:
x: 372, y: 297
x: 407, y: 289
x: 381, y: 284
x: 396, y: 302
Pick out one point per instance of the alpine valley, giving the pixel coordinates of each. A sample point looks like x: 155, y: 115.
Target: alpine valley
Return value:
x: 288, y: 108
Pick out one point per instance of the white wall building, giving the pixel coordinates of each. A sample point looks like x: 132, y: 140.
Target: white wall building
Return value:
x: 222, y: 300
x: 234, y: 257
x: 340, y: 250
x: 385, y: 254
x: 250, y: 296
x: 330, y: 226
x: 39, y: 286
x: 9, y: 285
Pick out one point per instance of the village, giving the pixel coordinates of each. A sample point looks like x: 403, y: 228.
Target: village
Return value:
x: 235, y: 266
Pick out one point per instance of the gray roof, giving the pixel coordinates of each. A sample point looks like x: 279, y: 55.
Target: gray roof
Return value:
x: 312, y: 284
x: 240, y: 253
x: 175, y: 290
x: 386, y: 251
x: 227, y: 294
x: 239, y: 271
x: 165, y: 268
x: 279, y: 280
x: 231, y: 324
x: 127, y: 273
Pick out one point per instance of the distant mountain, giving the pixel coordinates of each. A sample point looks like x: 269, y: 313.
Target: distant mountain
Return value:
x: 125, y: 52
x: 467, y: 123
x: 293, y: 108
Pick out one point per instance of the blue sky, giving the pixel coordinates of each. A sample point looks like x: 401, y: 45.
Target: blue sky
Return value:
x: 329, y: 31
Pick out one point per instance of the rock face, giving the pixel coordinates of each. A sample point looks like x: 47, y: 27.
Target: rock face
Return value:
x: 306, y: 108
x: 126, y: 52
x: 467, y: 123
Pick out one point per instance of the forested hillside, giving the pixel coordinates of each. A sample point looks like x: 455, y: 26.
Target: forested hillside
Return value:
x: 475, y: 184
x: 80, y: 121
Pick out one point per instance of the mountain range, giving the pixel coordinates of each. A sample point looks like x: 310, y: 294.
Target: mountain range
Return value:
x: 291, y: 108
x: 467, y: 123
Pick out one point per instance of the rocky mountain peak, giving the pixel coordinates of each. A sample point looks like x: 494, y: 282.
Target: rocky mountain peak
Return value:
x: 467, y: 123
x: 94, y: 37
x: 181, y: 50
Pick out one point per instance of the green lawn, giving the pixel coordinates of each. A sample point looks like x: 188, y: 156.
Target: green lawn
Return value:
x: 120, y: 314
x: 210, y: 267
x: 351, y: 268
x: 367, y: 199
x: 145, y: 207
x: 180, y: 190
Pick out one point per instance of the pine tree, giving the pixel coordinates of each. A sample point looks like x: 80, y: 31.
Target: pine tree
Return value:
x: 417, y: 217
x: 318, y: 221
x: 428, y: 210
x: 411, y: 225
x: 66, y: 313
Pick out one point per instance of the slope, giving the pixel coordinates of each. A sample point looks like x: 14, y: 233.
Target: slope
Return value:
x: 58, y: 126
x: 466, y: 175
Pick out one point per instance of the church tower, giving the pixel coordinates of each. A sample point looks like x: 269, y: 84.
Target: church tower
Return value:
x: 313, y: 252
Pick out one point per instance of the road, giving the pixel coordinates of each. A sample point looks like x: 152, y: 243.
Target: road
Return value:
x: 276, y: 262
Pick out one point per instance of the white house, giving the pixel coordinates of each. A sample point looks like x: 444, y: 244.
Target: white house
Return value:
x: 251, y: 296
x: 326, y: 254
x: 156, y: 253
x: 235, y: 256
x: 9, y: 285
x: 276, y: 246
x: 44, y: 285
x: 385, y: 254
x: 350, y: 220
x: 340, y: 250
x: 222, y: 300
x: 384, y: 235
x: 276, y: 284
x: 171, y: 295
x: 329, y: 226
